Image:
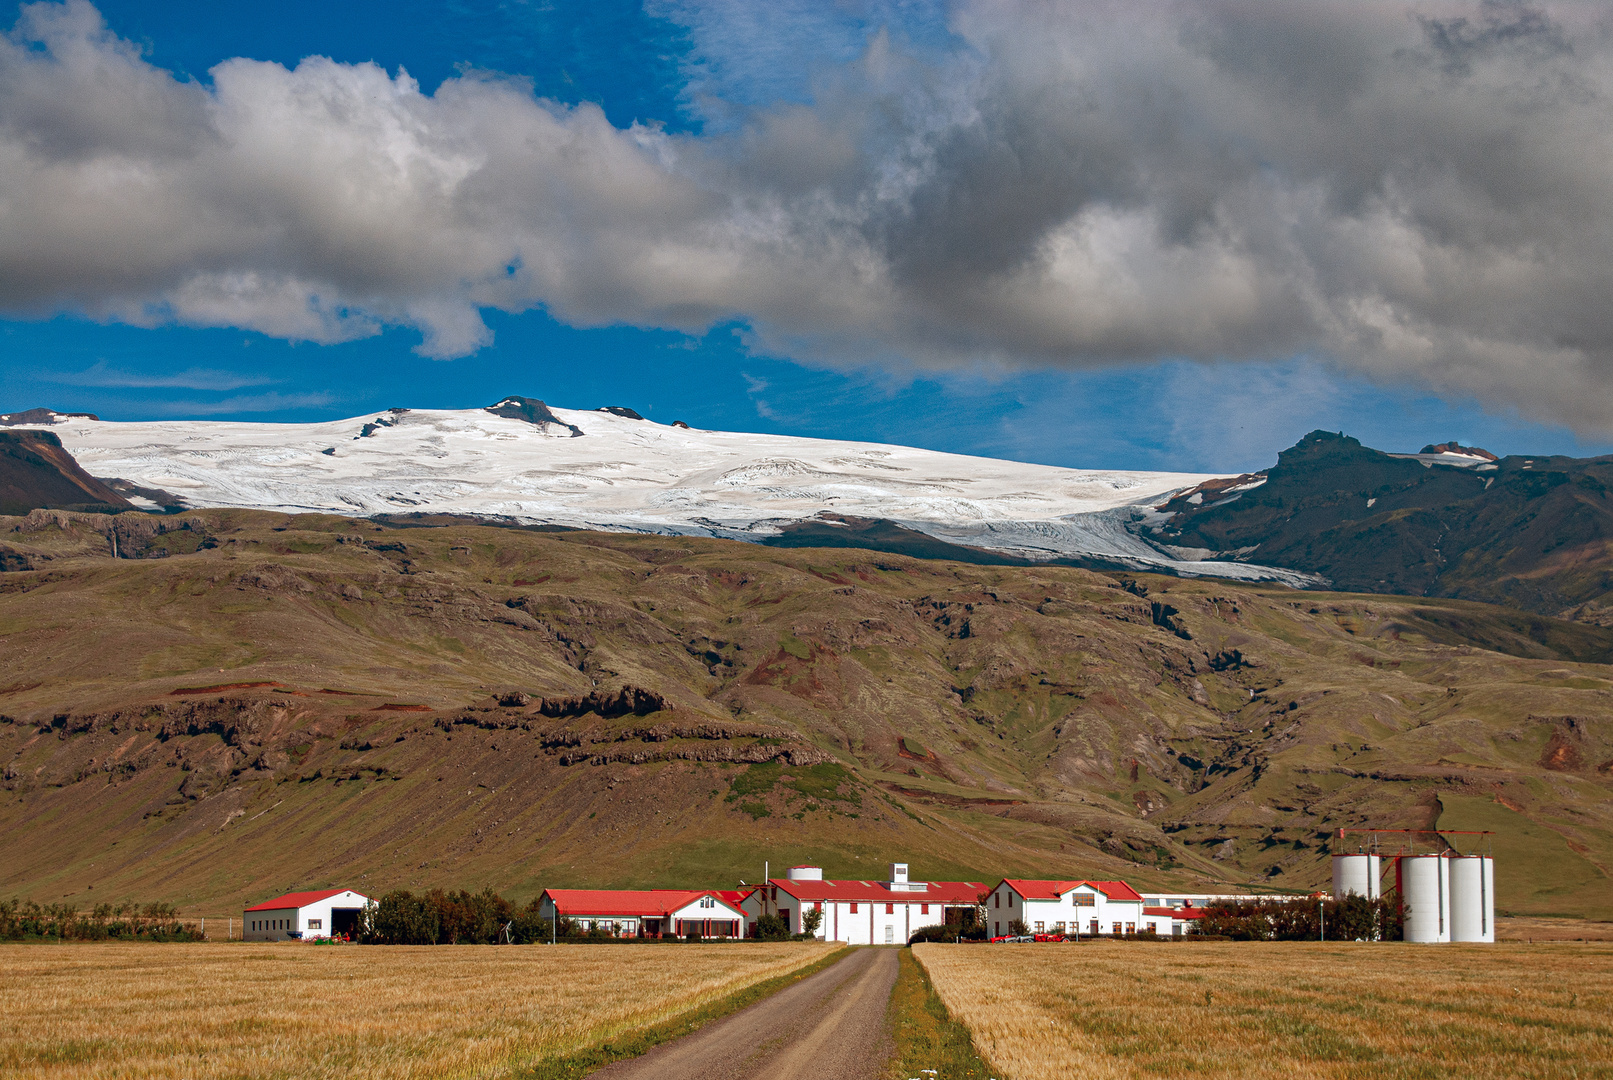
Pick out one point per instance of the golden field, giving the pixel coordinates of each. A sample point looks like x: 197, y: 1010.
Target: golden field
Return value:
x: 264, y: 1011
x: 1257, y: 1009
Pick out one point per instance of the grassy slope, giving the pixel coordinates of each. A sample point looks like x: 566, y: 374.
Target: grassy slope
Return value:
x: 1051, y: 726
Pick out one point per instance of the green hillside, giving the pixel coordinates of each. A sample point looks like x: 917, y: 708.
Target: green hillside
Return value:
x: 248, y: 702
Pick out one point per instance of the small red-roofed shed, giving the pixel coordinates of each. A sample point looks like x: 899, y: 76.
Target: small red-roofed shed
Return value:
x: 319, y: 913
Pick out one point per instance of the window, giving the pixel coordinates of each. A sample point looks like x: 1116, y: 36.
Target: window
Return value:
x: 890, y: 909
x: 924, y: 909
x: 854, y: 909
x: 1041, y: 927
x: 1083, y: 899
x: 996, y: 899
x: 1058, y: 928
x: 316, y: 924
x: 1131, y: 928
x: 1117, y: 928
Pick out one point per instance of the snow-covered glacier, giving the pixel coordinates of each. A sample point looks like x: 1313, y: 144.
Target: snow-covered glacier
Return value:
x: 604, y: 470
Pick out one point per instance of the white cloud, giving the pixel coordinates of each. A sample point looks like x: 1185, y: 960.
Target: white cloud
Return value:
x: 1419, y: 194
x: 100, y: 374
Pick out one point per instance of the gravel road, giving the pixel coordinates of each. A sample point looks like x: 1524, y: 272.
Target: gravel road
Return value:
x: 830, y: 1026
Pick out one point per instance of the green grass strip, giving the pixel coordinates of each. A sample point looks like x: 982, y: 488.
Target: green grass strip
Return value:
x: 632, y: 1044
x: 925, y: 1034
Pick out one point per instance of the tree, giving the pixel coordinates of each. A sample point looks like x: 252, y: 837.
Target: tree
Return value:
x: 1017, y: 927
x: 810, y: 921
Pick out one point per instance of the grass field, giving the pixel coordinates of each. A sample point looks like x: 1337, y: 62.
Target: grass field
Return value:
x: 1286, y: 1010
x: 269, y: 1011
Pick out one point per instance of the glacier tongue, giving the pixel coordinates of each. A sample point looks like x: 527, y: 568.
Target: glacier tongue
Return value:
x: 636, y: 475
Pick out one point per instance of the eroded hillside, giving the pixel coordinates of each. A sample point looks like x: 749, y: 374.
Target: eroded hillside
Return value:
x: 245, y: 702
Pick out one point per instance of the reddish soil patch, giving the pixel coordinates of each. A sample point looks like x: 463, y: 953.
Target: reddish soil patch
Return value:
x: 391, y: 707
x: 948, y: 799
x: 535, y: 581
x: 221, y: 687
x: 345, y: 693
x: 1560, y: 755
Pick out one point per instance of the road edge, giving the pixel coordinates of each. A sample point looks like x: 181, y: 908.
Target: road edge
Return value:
x: 926, y: 1034
x: 634, y: 1044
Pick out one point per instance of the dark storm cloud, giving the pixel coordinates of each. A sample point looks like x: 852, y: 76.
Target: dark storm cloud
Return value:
x: 1416, y: 193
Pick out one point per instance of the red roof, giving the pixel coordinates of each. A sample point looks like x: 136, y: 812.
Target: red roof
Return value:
x: 1176, y: 913
x: 938, y: 892
x: 298, y: 900
x: 1052, y: 890
x: 631, y: 903
x: 735, y: 897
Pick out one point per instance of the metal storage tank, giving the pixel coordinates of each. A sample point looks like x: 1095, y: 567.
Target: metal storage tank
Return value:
x: 1425, y: 897
x: 1472, y: 898
x: 1355, y: 874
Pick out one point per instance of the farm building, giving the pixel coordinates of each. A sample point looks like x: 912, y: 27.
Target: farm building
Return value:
x: 321, y: 914
x: 648, y: 912
x: 1064, y: 907
x: 1169, y: 921
x: 865, y: 912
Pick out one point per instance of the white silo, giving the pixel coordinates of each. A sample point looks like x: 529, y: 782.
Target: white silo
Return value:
x: 1472, y: 898
x: 1425, y: 897
x: 1356, y: 874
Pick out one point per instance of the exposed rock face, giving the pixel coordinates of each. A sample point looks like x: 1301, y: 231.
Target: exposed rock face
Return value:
x: 629, y: 699
x: 535, y: 412
x: 35, y: 471
x: 621, y: 410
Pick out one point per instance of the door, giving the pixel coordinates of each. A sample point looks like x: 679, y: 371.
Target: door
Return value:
x: 890, y: 935
x: 344, y: 921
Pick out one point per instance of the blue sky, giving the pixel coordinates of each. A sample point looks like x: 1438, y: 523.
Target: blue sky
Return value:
x: 702, y: 73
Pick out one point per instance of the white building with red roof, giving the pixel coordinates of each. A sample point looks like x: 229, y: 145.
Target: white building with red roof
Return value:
x: 1169, y: 921
x: 1064, y: 907
x: 322, y: 913
x: 648, y: 912
x: 864, y: 912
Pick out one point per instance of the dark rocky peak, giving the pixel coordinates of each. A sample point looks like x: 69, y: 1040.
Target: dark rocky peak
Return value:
x: 31, y: 417
x: 36, y: 472
x: 620, y: 410
x: 1454, y: 447
x: 532, y: 411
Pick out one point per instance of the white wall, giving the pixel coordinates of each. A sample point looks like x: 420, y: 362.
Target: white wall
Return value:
x: 1004, y: 905
x: 316, y: 920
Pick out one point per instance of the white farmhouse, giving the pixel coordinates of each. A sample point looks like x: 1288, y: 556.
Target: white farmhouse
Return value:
x: 865, y: 912
x: 322, y: 914
x: 647, y: 913
x: 1064, y: 907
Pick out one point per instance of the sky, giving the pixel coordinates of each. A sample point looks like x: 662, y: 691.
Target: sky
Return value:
x: 1088, y: 234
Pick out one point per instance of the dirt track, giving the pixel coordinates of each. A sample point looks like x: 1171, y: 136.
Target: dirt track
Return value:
x: 828, y: 1027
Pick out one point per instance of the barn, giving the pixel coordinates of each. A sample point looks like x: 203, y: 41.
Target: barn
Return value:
x: 325, y: 913
x: 650, y: 913
x: 865, y: 912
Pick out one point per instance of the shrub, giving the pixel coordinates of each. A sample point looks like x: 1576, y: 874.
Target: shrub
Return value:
x: 1296, y: 919
x: 772, y: 928
x: 127, y: 921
